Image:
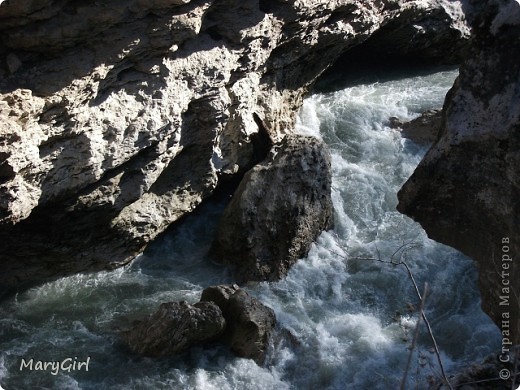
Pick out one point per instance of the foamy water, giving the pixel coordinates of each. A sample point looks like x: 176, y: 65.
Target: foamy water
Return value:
x: 343, y: 323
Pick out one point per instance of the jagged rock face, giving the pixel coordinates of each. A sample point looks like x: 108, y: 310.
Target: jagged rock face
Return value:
x: 250, y: 323
x: 118, y: 118
x: 176, y: 327
x: 278, y: 210
x: 466, y: 191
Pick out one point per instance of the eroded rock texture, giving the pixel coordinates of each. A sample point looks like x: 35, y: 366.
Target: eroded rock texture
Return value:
x: 118, y: 118
x: 466, y: 191
x: 278, y: 210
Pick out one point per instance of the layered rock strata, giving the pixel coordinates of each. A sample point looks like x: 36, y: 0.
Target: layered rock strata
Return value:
x: 118, y: 118
x: 466, y: 191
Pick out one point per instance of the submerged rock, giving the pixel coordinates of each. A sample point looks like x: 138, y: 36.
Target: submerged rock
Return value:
x: 224, y: 314
x: 422, y: 130
x: 249, y: 322
x: 278, y: 210
x: 466, y: 190
x: 176, y: 327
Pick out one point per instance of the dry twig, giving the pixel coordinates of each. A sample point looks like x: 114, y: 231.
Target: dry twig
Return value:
x: 414, y: 340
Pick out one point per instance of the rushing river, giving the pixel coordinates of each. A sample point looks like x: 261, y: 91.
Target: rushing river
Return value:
x: 345, y: 323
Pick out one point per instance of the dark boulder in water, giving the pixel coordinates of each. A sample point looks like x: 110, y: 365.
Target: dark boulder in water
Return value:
x: 422, y: 130
x: 176, y: 327
x: 249, y: 322
x: 224, y: 314
x: 278, y: 210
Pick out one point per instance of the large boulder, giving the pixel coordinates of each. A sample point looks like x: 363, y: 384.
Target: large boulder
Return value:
x: 466, y: 191
x: 249, y: 322
x: 278, y: 210
x: 175, y: 327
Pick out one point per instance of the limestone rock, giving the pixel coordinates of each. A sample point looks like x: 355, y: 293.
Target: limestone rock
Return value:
x: 278, y: 210
x: 419, y: 34
x: 125, y: 115
x: 175, y: 327
x: 466, y: 191
x: 249, y: 322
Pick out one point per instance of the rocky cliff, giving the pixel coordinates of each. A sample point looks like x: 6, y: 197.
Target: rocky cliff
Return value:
x: 466, y: 191
x: 118, y: 118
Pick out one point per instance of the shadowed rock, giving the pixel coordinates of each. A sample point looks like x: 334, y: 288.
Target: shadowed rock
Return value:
x: 486, y: 375
x: 225, y: 314
x: 279, y: 209
x: 422, y: 130
x: 249, y: 322
x: 176, y: 327
x: 118, y: 118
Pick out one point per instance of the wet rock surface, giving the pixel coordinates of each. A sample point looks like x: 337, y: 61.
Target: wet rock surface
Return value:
x: 492, y: 373
x: 225, y: 314
x: 250, y: 323
x: 176, y: 327
x: 423, y: 130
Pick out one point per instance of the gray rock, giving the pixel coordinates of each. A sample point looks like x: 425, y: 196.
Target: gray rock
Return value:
x: 419, y: 34
x: 278, y: 210
x: 465, y: 192
x: 395, y: 122
x: 176, y: 327
x: 249, y: 322
x: 219, y: 295
x: 423, y: 130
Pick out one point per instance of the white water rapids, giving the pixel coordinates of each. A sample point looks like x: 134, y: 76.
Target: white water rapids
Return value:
x: 343, y: 323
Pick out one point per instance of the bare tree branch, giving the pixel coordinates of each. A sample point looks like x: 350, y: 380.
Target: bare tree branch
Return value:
x: 414, y: 340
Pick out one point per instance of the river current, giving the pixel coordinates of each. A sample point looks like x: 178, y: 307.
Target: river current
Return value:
x: 345, y: 322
